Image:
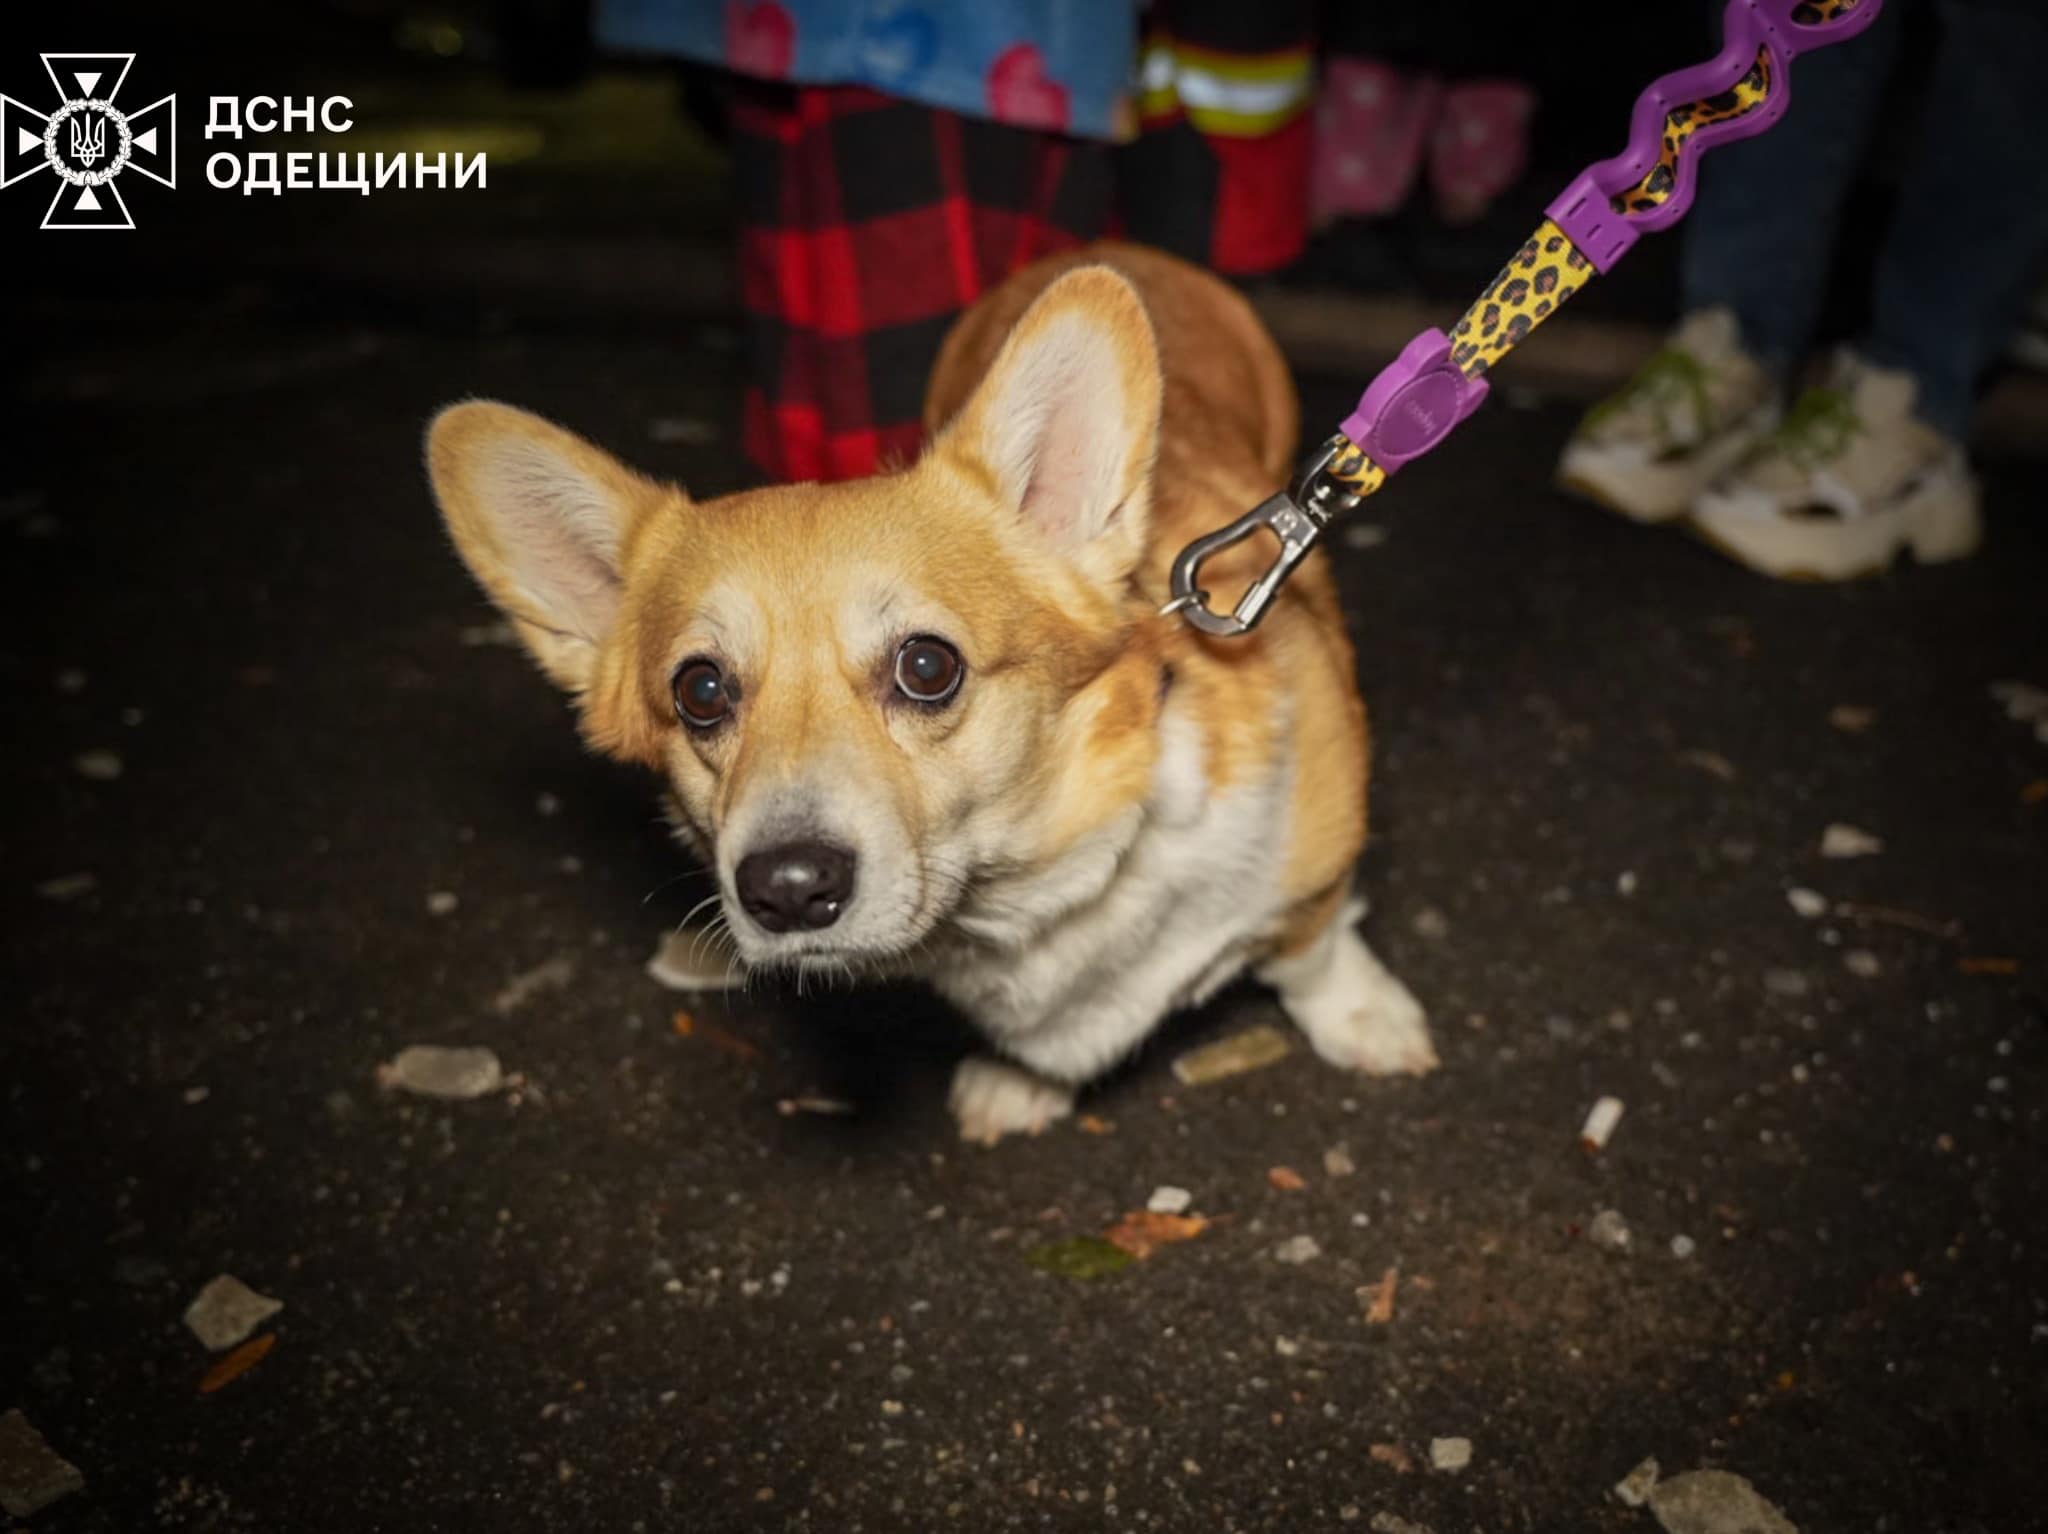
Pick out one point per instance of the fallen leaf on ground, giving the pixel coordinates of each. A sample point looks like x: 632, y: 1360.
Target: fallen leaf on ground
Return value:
x: 1988, y: 966
x: 1094, y: 1124
x: 688, y: 1027
x: 1380, y: 1309
x: 237, y: 1363
x: 1079, y: 1257
x: 1252, y: 1050
x: 1286, y: 1179
x: 1393, y: 1454
x: 1851, y: 718
x: 1143, y: 1231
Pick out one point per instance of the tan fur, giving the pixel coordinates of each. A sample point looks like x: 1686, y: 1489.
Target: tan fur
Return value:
x: 1228, y: 436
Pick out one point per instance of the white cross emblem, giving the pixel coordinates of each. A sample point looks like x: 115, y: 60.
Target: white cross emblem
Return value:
x: 88, y: 141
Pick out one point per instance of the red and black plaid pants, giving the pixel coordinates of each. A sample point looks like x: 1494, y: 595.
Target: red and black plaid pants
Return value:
x: 869, y: 223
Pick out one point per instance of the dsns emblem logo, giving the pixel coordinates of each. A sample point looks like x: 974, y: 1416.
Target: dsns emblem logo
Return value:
x: 88, y: 141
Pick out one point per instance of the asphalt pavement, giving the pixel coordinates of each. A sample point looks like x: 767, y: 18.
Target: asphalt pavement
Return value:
x: 282, y: 803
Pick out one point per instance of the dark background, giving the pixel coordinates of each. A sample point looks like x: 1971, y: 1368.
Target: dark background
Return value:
x: 559, y: 1307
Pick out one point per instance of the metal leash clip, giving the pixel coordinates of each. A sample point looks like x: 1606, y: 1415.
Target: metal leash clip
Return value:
x: 1296, y: 516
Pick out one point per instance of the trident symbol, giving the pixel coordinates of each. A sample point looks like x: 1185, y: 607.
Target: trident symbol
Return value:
x: 88, y: 139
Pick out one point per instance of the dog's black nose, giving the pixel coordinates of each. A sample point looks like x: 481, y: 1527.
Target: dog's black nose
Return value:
x: 799, y: 884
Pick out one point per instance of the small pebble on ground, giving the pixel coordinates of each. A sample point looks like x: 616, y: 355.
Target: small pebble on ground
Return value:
x: 227, y: 1311
x: 32, y: 1474
x: 1715, y: 1502
x: 438, y: 1070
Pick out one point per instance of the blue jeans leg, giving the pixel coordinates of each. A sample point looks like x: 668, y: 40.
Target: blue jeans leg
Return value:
x: 1971, y: 228
x: 1761, y: 233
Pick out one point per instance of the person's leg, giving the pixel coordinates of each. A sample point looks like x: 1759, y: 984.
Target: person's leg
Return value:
x: 1971, y: 228
x: 867, y: 224
x: 1219, y: 173
x: 1762, y: 227
x: 1753, y: 268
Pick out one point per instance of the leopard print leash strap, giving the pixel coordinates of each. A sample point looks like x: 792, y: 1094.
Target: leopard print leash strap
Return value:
x: 1439, y: 380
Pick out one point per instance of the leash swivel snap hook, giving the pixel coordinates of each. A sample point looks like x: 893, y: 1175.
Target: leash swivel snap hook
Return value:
x: 1296, y: 516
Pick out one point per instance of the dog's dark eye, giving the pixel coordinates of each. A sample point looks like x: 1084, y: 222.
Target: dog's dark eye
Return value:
x: 703, y: 695
x: 928, y: 670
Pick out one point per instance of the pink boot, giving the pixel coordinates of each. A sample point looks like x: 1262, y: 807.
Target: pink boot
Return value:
x: 1372, y: 125
x: 1480, y: 147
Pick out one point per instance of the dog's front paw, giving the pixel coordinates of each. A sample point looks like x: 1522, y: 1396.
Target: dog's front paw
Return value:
x: 1356, y: 1014
x: 1386, y: 1035
x: 992, y: 1098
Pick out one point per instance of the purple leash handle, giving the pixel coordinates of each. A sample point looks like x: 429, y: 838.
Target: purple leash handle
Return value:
x: 1784, y: 29
x: 1422, y: 396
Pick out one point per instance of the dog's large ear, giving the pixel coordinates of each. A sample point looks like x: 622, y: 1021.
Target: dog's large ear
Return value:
x: 1066, y: 422
x: 541, y: 518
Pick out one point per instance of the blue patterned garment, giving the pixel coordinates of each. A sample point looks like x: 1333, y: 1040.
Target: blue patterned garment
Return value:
x: 1059, y: 64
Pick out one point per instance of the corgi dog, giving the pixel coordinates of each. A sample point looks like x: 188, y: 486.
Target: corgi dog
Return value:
x: 933, y: 724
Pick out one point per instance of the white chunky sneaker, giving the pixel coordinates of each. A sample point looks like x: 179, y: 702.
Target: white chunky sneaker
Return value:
x: 1850, y: 479
x: 1692, y: 412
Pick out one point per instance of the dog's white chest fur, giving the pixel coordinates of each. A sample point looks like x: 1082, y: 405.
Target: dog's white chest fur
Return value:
x: 1069, y: 969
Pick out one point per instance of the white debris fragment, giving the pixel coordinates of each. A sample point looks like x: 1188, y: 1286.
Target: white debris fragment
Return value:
x: 1862, y: 963
x: 476, y: 635
x: 1337, y: 1161
x: 1846, y: 841
x: 1634, y: 1489
x: 1286, y: 1347
x: 442, y: 902
x: 1715, y: 1502
x: 1450, y: 1453
x: 545, y: 804
x: 2024, y: 704
x: 1394, y: 1523
x: 1364, y: 535
x: 1167, y: 1199
x: 1683, y: 1246
x: 689, y: 960
x: 549, y: 975
x: 1786, y: 982
x: 68, y: 886
x: 32, y: 1474
x: 1625, y: 883
x: 1808, y: 903
x: 1296, y: 1250
x: 97, y: 766
x: 71, y: 681
x: 226, y: 1311
x: 1600, y: 1123
x: 831, y: 1107
x: 1431, y: 923
x: 437, y: 1070
x: 1609, y: 1231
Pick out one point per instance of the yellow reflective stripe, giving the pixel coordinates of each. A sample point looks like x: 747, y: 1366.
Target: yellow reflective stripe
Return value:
x: 1230, y: 95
